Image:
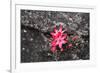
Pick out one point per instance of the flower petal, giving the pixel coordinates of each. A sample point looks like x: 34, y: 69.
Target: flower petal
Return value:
x: 60, y: 30
x: 60, y: 45
x: 62, y: 49
x: 53, y: 49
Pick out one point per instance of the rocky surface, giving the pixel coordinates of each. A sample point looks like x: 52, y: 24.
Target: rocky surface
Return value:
x: 35, y: 34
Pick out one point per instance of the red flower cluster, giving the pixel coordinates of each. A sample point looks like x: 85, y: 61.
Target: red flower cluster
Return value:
x: 59, y: 38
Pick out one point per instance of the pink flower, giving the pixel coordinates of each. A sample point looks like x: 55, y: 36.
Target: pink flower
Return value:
x: 59, y: 38
x: 75, y: 38
x: 76, y: 44
x: 69, y: 46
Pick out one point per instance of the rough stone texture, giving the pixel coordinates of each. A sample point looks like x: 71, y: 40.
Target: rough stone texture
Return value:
x: 35, y: 34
